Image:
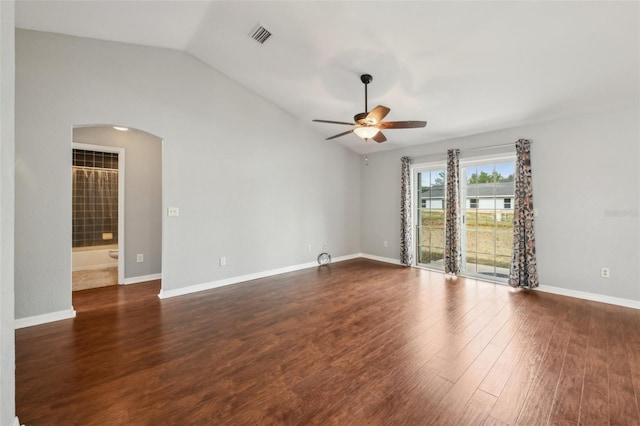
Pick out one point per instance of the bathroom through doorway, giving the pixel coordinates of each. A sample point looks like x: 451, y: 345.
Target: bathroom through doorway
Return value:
x: 97, y: 216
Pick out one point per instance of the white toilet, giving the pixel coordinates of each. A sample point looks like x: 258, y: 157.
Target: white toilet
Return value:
x: 113, y: 253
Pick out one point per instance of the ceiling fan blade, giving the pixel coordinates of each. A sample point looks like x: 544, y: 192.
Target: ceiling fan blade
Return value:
x: 379, y: 137
x: 401, y: 124
x: 339, y: 134
x: 377, y: 114
x: 334, y: 122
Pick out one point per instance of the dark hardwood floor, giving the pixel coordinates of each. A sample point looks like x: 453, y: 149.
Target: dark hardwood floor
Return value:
x: 356, y: 343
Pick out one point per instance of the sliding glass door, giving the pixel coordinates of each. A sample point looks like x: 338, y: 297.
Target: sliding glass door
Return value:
x: 430, y: 189
x: 487, y: 204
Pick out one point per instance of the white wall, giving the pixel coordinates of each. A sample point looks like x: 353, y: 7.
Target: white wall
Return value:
x: 585, y: 169
x: 252, y: 184
x: 143, y: 193
x: 7, y: 339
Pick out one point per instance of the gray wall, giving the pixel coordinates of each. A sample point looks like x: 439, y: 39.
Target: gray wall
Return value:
x: 252, y: 184
x: 7, y: 199
x: 583, y: 168
x: 143, y: 193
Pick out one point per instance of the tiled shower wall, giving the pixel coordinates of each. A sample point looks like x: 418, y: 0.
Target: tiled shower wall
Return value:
x: 95, y: 198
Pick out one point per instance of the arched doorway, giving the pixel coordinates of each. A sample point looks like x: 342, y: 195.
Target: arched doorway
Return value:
x: 116, y: 206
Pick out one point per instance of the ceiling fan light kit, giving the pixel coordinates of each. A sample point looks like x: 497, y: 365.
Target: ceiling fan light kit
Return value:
x: 368, y: 124
x: 366, y: 132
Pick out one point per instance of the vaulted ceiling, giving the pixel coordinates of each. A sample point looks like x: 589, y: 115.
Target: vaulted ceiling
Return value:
x: 465, y: 67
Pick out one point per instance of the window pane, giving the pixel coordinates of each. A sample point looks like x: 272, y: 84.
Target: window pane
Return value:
x: 437, y: 237
x: 504, y: 241
x: 503, y: 263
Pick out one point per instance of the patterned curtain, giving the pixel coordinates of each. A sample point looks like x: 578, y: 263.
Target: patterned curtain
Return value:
x: 452, y: 253
x: 406, y: 216
x: 523, y: 257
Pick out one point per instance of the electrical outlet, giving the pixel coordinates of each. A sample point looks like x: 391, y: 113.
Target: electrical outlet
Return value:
x: 140, y: 258
x: 605, y: 273
x: 173, y: 211
x: 308, y: 247
x: 223, y: 261
x: 386, y: 244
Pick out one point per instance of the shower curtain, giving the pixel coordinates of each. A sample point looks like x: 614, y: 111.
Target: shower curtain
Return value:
x: 95, y: 206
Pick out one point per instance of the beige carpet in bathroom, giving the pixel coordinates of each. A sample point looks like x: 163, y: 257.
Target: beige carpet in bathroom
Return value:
x: 83, y: 280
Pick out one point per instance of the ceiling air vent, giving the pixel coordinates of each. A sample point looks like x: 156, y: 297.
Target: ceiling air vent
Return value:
x: 261, y: 34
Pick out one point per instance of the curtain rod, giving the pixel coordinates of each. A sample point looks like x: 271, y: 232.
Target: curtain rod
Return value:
x: 489, y: 147
x: 466, y: 150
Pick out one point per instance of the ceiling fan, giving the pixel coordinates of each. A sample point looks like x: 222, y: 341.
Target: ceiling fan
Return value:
x: 369, y: 123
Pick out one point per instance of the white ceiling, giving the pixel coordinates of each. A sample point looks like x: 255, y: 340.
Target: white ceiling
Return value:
x: 465, y: 67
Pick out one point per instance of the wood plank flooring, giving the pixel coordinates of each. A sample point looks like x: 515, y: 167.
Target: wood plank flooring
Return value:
x: 355, y: 343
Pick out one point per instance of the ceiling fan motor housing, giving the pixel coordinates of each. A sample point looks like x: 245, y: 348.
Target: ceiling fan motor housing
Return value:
x: 359, y: 118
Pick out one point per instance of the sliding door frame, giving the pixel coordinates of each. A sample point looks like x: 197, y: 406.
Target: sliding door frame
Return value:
x: 439, y: 165
x: 469, y: 162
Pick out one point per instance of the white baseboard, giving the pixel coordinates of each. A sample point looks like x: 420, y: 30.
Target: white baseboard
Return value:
x: 628, y: 303
x: 142, y: 278
x: 594, y: 297
x: 165, y: 294
x: 45, y: 318
x: 342, y: 258
x: 381, y: 259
